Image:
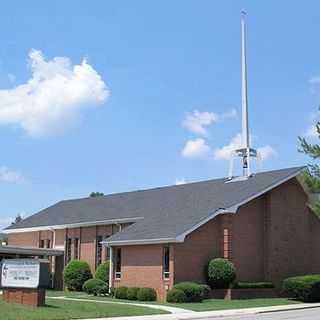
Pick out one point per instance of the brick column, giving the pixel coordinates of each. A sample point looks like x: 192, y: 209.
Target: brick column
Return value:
x: 226, y: 235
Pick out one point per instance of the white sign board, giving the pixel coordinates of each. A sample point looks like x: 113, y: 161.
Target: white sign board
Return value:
x: 20, y: 273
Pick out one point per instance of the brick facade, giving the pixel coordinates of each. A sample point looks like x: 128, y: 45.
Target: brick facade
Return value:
x: 142, y: 266
x: 268, y: 239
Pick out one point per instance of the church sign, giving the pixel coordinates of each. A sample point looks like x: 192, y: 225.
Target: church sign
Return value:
x: 24, y: 281
x: 22, y: 273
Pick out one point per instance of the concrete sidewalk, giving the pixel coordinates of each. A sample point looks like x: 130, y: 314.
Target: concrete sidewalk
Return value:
x: 216, y: 314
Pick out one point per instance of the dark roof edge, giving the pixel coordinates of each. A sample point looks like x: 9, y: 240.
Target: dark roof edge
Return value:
x: 232, y: 209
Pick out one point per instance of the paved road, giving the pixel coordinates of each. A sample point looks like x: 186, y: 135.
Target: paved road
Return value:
x: 307, y: 314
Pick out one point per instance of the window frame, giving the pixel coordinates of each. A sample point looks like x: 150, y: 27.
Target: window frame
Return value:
x: 76, y: 244
x: 118, y: 264
x: 68, y: 250
x: 98, y: 259
x: 166, y: 262
x: 41, y: 243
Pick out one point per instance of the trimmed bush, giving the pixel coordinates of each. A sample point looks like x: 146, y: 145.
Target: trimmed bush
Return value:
x: 102, y: 272
x: 147, y: 294
x: 112, y: 291
x: 103, y: 291
x: 305, y: 288
x: 132, y: 293
x: 176, y: 296
x: 75, y: 274
x: 205, y: 291
x: 253, y: 285
x: 94, y: 286
x: 221, y: 273
x: 193, y: 291
x: 121, y: 293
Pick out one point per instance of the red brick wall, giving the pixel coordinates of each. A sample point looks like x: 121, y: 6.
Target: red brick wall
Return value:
x: 248, y: 240
x: 24, y: 239
x: 272, y: 237
x: 289, y: 232
x: 191, y: 256
x: 142, y: 267
x: 87, y: 236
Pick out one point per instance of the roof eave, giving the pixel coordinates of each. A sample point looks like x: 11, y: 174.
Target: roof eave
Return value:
x: 118, y: 243
x: 72, y: 225
x: 180, y: 238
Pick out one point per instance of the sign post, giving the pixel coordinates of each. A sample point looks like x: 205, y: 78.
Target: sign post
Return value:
x: 24, y: 281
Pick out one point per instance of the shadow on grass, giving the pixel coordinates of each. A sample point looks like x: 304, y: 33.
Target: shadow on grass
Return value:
x: 51, y: 306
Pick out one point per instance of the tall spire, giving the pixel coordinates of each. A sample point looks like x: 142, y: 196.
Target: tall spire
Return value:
x: 244, y: 102
x: 245, y: 152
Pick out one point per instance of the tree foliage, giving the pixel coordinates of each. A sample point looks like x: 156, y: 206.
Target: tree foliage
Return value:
x: 96, y: 194
x: 311, y: 177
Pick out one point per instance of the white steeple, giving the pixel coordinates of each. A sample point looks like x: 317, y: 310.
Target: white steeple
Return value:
x: 245, y: 152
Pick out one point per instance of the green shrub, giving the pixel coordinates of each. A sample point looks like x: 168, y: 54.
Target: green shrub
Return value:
x: 205, y: 291
x: 221, y: 273
x: 132, y: 293
x: 121, y: 293
x: 102, y: 291
x: 193, y: 291
x: 305, y: 288
x: 176, y: 296
x: 112, y: 291
x: 75, y: 274
x: 147, y: 294
x: 94, y: 286
x: 253, y: 285
x: 102, y: 272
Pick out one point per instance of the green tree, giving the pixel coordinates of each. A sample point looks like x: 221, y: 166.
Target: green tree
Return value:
x: 96, y: 194
x: 311, y: 177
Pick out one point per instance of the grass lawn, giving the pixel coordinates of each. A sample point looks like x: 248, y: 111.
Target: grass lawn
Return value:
x: 63, y: 310
x: 220, y: 304
x: 206, y: 305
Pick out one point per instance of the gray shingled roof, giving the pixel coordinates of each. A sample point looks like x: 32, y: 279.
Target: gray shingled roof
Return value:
x: 167, y: 211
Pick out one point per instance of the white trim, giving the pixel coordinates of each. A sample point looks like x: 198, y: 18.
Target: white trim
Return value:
x: 110, y: 268
x: 72, y: 225
x: 138, y: 242
x: 182, y: 236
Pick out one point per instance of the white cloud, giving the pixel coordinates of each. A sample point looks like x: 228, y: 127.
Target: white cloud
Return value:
x: 196, y: 148
x: 266, y: 152
x: 180, y: 181
x: 225, y: 152
x: 54, y: 95
x: 197, y: 121
x: 10, y: 176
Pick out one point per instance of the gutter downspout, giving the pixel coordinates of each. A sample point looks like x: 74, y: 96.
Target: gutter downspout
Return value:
x: 110, y: 268
x: 53, y: 259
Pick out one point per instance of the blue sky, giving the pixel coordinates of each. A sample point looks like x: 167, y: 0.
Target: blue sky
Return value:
x: 147, y: 94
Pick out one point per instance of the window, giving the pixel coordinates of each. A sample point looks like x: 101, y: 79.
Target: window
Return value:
x: 226, y: 244
x: 118, y: 264
x: 76, y: 248
x: 166, y: 262
x: 41, y: 244
x: 68, y: 250
x: 48, y: 243
x: 98, y: 250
